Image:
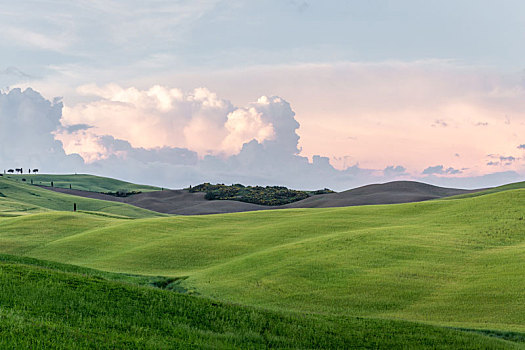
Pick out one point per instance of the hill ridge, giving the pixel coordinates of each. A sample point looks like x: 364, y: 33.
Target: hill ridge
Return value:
x: 182, y: 202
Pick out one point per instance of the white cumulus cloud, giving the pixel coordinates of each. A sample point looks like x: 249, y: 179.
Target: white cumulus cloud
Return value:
x: 167, y: 117
x: 244, y: 125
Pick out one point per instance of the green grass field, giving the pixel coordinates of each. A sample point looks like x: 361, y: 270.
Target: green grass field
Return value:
x: 446, y: 263
x: 82, y: 182
x: 47, y: 305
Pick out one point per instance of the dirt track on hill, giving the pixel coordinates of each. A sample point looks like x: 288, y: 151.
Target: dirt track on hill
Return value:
x: 182, y: 202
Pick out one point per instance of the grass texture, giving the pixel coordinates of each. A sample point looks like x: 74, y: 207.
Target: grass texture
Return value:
x: 47, y: 305
x: 437, y: 274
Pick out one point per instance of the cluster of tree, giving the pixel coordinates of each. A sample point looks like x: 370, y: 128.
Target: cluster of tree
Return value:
x: 21, y: 171
x: 122, y: 193
x: 269, y: 195
x: 323, y: 191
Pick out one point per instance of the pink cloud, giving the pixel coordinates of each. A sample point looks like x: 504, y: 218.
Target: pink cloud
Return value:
x: 377, y: 114
x: 372, y: 114
x: 162, y: 117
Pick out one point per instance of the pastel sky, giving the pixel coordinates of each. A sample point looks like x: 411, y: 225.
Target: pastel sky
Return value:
x: 294, y: 92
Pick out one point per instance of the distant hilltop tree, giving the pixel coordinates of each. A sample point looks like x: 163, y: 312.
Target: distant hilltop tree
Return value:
x: 19, y: 170
x: 11, y: 171
x: 35, y: 171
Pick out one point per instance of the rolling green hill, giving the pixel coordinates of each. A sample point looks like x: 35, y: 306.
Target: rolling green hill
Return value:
x: 47, y: 305
x: 19, y: 198
x: 336, y: 277
x: 82, y: 182
x: 455, y: 263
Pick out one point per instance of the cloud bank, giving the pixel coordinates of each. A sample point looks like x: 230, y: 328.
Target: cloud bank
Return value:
x: 173, y: 139
x: 27, y: 123
x: 371, y: 114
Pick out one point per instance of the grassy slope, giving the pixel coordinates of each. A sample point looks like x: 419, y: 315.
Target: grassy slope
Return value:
x: 51, y: 305
x: 18, y: 198
x: 457, y: 262
x: 82, y: 182
x: 512, y: 186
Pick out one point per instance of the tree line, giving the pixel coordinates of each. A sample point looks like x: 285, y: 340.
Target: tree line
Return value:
x: 21, y: 171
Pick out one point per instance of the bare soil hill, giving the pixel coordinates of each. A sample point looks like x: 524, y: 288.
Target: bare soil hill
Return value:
x: 182, y: 202
x: 387, y: 193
